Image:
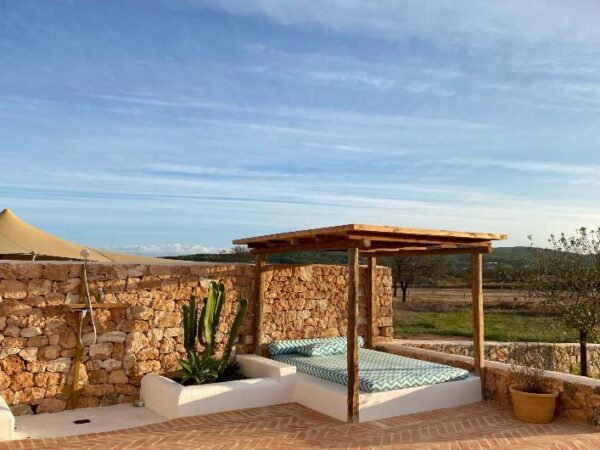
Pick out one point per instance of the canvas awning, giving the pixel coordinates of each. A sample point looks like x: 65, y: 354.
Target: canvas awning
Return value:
x: 19, y: 240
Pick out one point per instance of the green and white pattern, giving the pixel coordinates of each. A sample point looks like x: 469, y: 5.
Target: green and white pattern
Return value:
x: 323, y: 349
x: 378, y: 371
x: 294, y: 345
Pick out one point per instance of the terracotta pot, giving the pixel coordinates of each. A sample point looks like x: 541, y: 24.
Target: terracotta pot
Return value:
x: 533, y: 408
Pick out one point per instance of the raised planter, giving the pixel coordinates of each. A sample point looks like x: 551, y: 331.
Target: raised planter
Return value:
x: 269, y: 383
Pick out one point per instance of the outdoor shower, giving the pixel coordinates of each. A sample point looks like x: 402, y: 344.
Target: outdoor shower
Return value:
x: 85, y: 254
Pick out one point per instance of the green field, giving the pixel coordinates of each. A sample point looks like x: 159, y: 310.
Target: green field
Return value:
x: 499, y: 326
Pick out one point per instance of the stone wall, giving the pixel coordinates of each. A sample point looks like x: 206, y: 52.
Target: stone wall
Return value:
x: 554, y: 357
x: 38, y: 338
x: 579, y: 397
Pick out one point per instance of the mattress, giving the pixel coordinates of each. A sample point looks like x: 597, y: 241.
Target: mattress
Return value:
x: 378, y: 371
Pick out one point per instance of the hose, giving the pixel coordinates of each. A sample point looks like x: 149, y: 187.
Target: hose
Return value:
x: 90, y: 308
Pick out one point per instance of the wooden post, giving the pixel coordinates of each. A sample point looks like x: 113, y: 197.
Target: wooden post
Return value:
x: 372, y: 302
x: 478, y: 325
x: 259, y: 293
x: 352, y: 335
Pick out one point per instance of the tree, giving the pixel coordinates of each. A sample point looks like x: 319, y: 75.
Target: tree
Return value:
x: 409, y: 270
x: 565, y: 281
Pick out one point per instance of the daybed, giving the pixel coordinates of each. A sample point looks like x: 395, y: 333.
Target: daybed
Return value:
x: 390, y: 385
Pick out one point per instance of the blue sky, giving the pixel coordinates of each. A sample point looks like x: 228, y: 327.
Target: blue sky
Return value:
x: 175, y: 126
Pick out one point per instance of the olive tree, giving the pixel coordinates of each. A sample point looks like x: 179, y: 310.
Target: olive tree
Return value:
x: 565, y: 281
x: 409, y: 270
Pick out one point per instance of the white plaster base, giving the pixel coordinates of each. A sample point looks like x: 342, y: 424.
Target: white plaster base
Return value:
x: 270, y: 383
x: 7, y: 421
x: 331, y: 398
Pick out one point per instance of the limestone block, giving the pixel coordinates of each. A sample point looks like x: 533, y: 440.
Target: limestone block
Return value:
x: 31, y: 332
x: 118, y: 377
x: 51, y: 405
x: 61, y: 365
x: 56, y: 272
x: 12, y: 331
x: 29, y: 354
x: 39, y: 287
x: 100, y: 350
x: 112, y: 336
x: 135, y: 342
x: 112, y: 364
x: 13, y: 289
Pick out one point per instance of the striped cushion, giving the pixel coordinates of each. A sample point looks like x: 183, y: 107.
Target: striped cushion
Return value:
x: 294, y: 345
x: 377, y: 371
x: 323, y: 349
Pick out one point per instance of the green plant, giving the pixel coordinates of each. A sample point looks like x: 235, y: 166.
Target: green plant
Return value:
x: 190, y: 324
x: 527, y: 369
x: 204, y: 330
x: 199, y: 370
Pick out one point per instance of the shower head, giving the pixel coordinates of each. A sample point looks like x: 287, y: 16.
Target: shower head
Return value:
x: 85, y: 253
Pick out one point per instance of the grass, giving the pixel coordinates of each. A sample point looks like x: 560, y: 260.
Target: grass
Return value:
x: 499, y: 326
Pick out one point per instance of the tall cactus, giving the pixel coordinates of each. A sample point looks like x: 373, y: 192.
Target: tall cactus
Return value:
x: 235, y: 327
x: 190, y: 324
x: 205, y: 328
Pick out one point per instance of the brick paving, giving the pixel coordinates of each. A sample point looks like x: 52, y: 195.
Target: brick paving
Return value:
x: 478, y: 426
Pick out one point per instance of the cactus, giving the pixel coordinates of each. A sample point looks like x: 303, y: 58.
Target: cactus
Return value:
x: 210, y: 317
x: 205, y: 328
x: 235, y: 327
x: 190, y: 324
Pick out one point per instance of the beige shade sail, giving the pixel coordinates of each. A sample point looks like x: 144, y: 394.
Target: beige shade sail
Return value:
x: 20, y: 240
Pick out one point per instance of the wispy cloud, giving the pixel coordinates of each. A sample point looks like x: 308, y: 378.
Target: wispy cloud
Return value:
x: 164, y: 249
x: 529, y: 166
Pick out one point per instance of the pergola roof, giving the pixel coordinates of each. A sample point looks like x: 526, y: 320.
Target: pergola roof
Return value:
x: 374, y: 240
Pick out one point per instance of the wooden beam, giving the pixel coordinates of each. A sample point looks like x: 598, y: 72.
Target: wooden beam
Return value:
x: 408, y: 239
x: 259, y: 294
x: 352, y: 335
x: 478, y: 325
x: 444, y: 251
x: 372, y: 302
x: 340, y: 245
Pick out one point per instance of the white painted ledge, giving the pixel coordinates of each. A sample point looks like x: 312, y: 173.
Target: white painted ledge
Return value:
x: 7, y: 421
x: 331, y: 398
x: 270, y: 383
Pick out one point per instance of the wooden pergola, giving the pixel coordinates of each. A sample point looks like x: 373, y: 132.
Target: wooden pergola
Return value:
x: 372, y: 241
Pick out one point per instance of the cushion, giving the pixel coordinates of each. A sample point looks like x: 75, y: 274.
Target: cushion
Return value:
x: 323, y: 349
x: 377, y: 371
x: 286, y: 347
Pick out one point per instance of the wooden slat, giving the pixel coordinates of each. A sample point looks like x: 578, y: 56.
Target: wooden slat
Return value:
x: 352, y: 335
x: 372, y: 328
x: 478, y: 325
x: 342, y: 230
x: 259, y: 288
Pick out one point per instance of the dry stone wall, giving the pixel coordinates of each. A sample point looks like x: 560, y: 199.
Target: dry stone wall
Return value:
x: 579, y: 397
x: 554, y: 357
x: 38, y: 338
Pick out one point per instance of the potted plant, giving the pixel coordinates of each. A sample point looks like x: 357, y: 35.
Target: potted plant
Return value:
x: 533, y: 398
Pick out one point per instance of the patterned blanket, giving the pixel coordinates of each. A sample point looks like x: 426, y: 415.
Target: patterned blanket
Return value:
x: 378, y: 371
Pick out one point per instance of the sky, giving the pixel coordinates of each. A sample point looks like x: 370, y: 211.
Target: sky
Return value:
x: 176, y: 126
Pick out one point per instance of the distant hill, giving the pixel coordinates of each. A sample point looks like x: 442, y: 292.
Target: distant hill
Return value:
x: 510, y: 257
